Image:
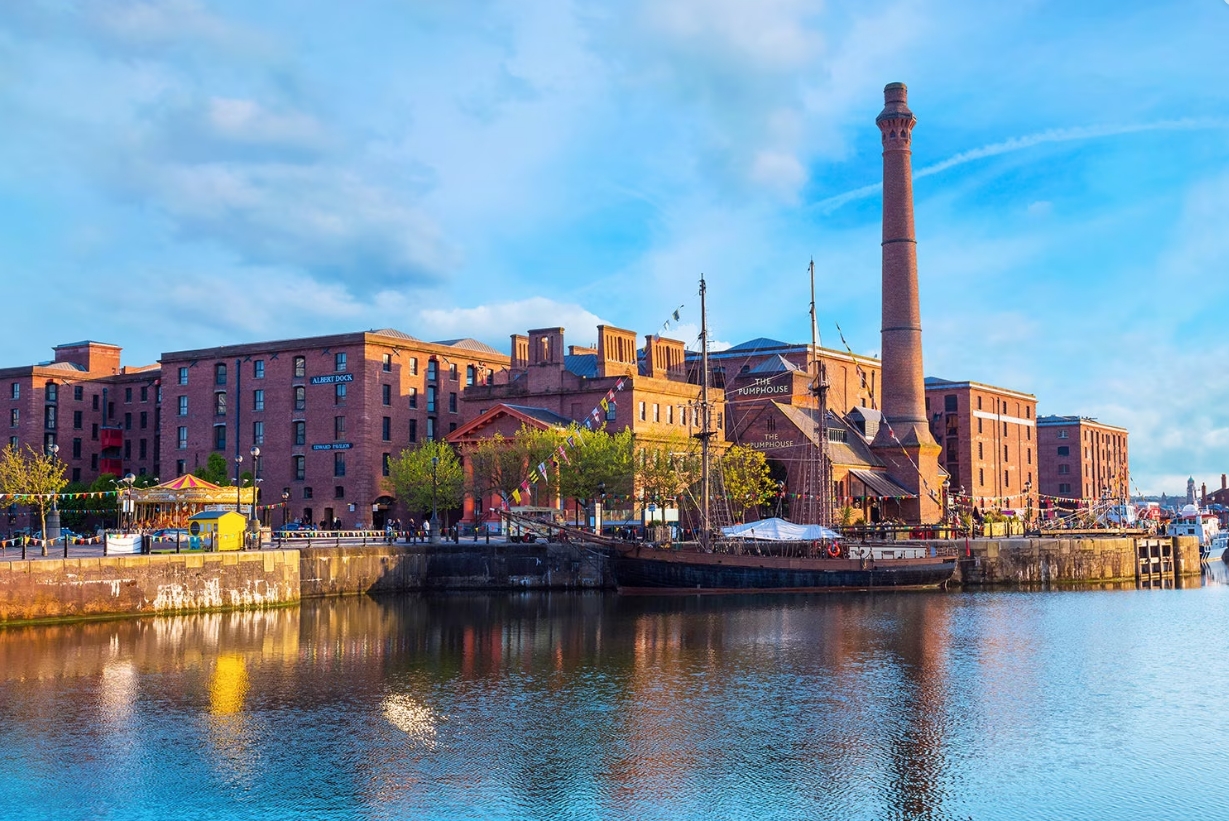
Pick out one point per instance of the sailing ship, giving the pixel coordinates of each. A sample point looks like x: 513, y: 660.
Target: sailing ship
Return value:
x: 714, y: 564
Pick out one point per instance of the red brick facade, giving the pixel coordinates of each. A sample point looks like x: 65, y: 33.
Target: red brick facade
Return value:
x: 326, y: 413
x: 102, y: 416
x: 1081, y: 460
x: 988, y: 441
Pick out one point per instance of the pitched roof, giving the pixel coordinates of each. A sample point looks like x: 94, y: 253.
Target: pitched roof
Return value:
x: 393, y: 332
x: 525, y: 413
x: 775, y: 364
x: 469, y: 344
x: 853, y: 451
x: 759, y: 343
x: 542, y: 415
x: 581, y: 364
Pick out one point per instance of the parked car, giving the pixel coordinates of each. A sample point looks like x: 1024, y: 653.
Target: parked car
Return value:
x: 170, y: 534
x: 64, y: 531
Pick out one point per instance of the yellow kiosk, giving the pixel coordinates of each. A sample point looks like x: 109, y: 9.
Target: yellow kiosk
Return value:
x: 216, y: 530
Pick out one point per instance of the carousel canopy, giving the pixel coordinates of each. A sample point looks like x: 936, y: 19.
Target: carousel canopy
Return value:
x: 191, y: 490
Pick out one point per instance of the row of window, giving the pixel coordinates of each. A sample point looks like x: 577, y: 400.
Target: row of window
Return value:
x: 51, y: 393
x: 51, y: 419
x: 981, y: 478
x: 340, y: 365
x: 299, y: 432
x: 340, y: 393
x: 670, y: 415
x: 951, y: 405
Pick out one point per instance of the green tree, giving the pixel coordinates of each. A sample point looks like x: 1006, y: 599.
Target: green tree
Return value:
x: 497, y: 466
x: 40, y: 475
x: 216, y: 470
x: 601, y: 463
x: 746, y: 478
x: 664, y: 470
x: 538, y: 446
x: 414, y: 480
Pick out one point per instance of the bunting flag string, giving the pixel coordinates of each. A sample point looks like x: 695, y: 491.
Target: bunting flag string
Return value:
x: 593, y: 422
x: 665, y: 326
x: 20, y: 497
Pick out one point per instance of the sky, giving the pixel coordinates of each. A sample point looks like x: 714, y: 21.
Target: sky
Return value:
x: 182, y: 173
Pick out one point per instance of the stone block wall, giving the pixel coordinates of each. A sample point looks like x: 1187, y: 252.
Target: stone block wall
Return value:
x: 332, y: 571
x: 1061, y: 561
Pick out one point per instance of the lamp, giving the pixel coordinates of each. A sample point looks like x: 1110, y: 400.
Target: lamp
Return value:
x: 285, y: 504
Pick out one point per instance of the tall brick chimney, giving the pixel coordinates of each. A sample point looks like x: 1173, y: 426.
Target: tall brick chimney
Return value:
x: 909, y: 449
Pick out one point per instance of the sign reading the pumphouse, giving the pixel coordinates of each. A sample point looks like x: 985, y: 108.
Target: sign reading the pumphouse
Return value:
x: 332, y: 379
x: 333, y: 446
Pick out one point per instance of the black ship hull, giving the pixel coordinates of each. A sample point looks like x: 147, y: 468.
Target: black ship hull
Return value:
x: 645, y: 569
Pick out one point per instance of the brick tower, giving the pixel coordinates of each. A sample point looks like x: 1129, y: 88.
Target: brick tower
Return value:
x: 909, y: 450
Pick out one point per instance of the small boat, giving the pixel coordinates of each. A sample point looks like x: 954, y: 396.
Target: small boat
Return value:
x: 1203, y: 525
x: 1216, y: 548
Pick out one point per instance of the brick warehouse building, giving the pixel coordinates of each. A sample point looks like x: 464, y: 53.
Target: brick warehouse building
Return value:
x: 988, y: 443
x: 327, y: 414
x: 1081, y: 460
x: 657, y: 402
x: 779, y: 416
x: 103, y: 416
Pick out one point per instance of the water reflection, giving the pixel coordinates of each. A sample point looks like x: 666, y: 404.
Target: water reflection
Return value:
x: 593, y: 706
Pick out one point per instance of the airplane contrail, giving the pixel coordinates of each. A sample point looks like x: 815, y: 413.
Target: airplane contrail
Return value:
x: 1054, y: 135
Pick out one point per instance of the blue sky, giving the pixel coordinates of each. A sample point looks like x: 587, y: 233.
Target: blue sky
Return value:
x: 184, y: 173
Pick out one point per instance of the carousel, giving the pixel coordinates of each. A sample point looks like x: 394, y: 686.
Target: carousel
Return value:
x: 171, y: 503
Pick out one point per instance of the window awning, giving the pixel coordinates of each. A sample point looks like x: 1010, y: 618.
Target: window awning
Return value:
x: 881, y: 485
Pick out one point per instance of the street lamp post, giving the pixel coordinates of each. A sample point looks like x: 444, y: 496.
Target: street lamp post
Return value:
x: 285, y: 505
x: 435, y: 522
x: 238, y: 484
x: 126, y: 505
x: 1028, y: 501
x: 255, y: 451
x: 53, y: 518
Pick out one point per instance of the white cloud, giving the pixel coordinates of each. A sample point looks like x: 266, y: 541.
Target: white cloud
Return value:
x: 249, y: 122
x: 324, y: 220
x: 779, y: 172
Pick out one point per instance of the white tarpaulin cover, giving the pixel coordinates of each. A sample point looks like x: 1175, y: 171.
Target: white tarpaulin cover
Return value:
x: 778, y: 530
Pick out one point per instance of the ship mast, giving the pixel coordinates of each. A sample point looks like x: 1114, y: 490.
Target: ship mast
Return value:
x: 705, y: 432
x: 821, y: 471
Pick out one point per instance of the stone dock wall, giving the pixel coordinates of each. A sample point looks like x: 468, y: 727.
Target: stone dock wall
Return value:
x: 334, y: 571
x: 1027, y: 562
x: 130, y: 585
x: 163, y: 584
